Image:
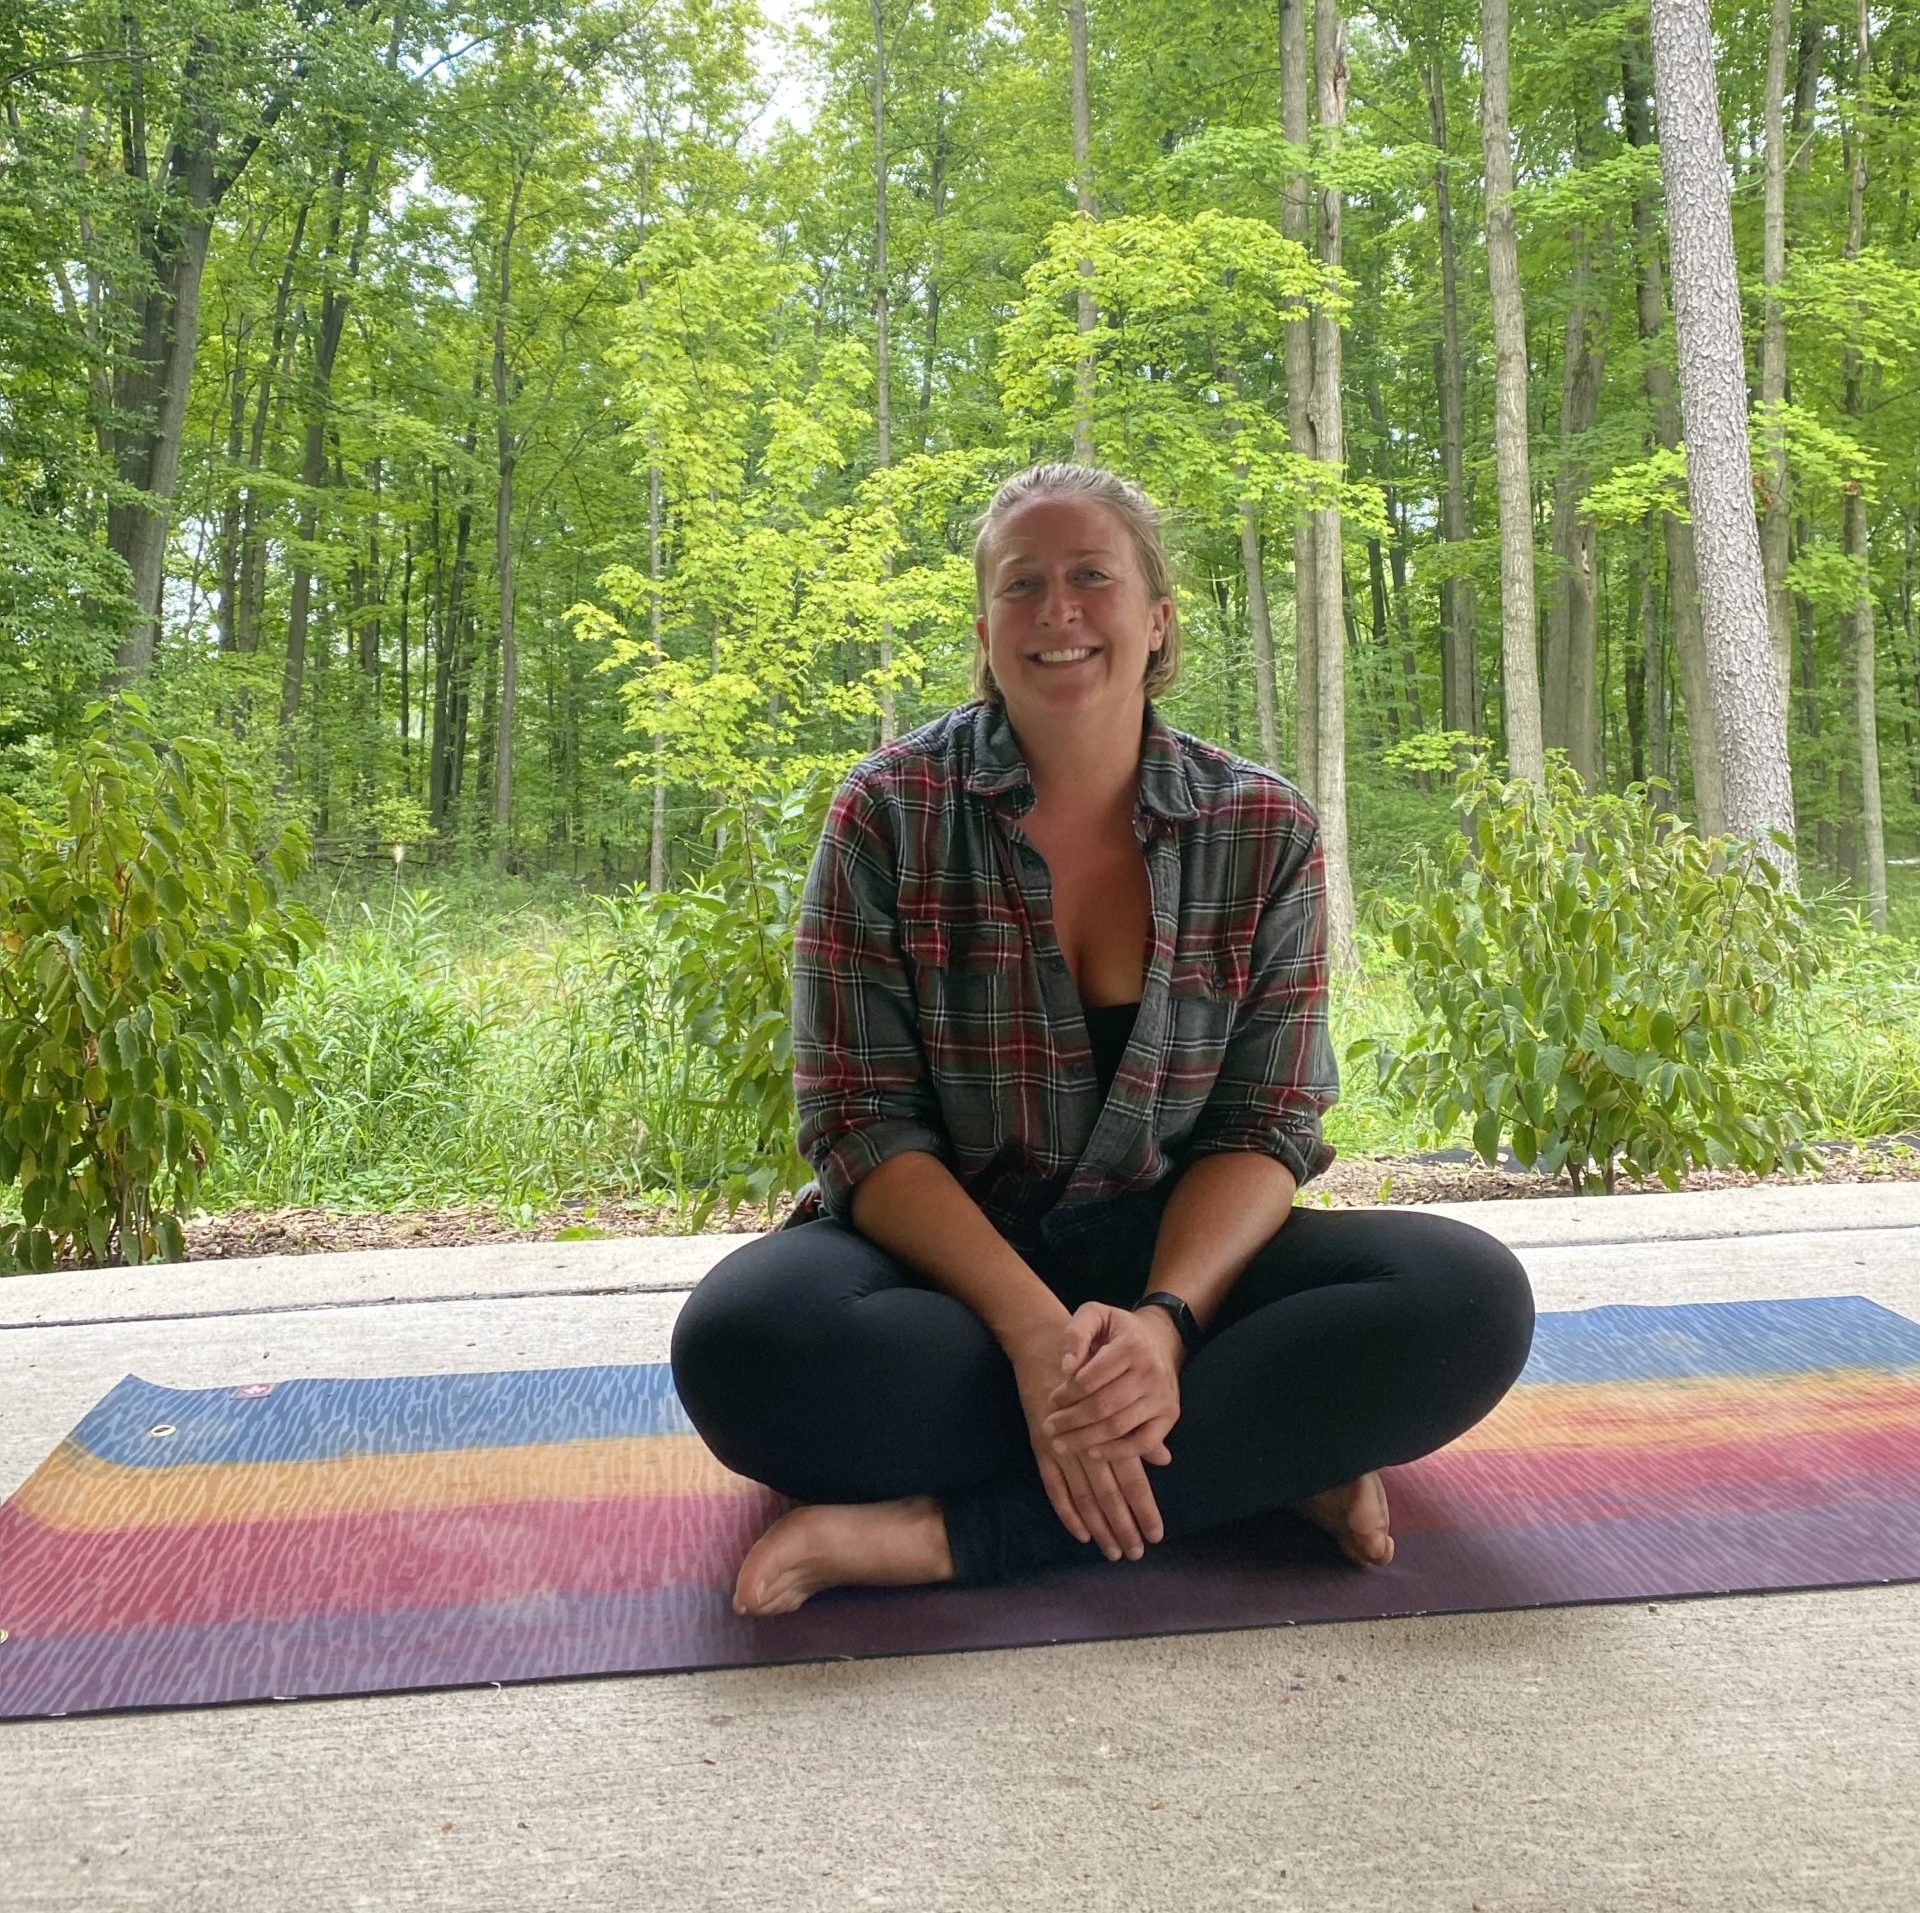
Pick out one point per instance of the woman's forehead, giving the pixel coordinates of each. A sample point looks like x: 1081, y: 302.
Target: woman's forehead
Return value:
x: 1060, y: 527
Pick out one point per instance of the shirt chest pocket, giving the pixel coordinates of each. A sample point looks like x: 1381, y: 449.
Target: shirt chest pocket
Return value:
x: 964, y: 976
x: 1205, y: 992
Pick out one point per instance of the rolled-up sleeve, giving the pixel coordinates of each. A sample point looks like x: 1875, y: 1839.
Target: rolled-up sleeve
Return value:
x: 859, y: 1070
x: 1279, y: 1075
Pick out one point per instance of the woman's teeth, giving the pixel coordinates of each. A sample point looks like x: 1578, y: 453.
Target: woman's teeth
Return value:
x: 1063, y: 657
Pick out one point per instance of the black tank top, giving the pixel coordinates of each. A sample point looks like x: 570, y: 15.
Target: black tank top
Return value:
x: 1109, y: 1028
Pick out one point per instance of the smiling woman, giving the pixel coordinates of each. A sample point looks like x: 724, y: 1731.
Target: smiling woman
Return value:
x: 1029, y: 514
x: 1061, y: 1058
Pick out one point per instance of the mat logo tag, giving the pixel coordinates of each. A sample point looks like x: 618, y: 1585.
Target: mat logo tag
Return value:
x: 252, y: 1391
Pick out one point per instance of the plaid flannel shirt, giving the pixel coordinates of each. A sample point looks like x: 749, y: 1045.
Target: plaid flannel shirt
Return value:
x: 934, y: 1010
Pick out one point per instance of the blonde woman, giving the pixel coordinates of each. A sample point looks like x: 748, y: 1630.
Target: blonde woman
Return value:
x: 1061, y: 1057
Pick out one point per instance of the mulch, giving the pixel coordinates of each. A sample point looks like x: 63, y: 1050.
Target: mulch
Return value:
x: 1352, y: 1182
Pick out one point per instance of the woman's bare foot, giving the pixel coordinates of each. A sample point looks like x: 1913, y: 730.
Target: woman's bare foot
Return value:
x: 1355, y: 1514
x: 824, y: 1545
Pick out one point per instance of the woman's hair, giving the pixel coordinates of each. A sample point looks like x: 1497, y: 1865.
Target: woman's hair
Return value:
x: 1144, y: 526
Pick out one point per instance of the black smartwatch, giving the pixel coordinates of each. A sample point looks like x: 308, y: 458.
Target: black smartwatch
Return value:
x: 1177, y: 1308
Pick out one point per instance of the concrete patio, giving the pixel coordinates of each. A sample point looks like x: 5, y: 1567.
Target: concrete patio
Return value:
x: 1747, y: 1752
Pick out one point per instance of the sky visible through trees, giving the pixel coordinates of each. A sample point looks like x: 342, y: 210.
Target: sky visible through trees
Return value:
x: 508, y: 426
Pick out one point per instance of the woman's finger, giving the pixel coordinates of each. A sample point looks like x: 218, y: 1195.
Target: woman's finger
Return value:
x: 1113, y: 1419
x: 1094, y: 1509
x: 1134, y: 1485
x: 1087, y: 1521
x: 1054, y: 1480
x: 1114, y: 1504
x: 1122, y: 1387
x: 1148, y: 1442
x: 1102, y: 1366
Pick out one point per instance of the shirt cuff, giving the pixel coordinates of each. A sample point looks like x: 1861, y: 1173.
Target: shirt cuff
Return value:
x: 1305, y: 1154
x: 859, y: 1152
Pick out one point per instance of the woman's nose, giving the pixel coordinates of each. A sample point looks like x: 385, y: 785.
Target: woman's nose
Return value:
x: 1057, y: 604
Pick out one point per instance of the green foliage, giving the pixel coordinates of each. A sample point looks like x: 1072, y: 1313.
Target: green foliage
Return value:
x: 144, y: 940
x: 1595, y: 982
x: 731, y: 976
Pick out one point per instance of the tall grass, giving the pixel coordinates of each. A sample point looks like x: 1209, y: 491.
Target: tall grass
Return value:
x: 534, y: 1062
x: 514, y: 1045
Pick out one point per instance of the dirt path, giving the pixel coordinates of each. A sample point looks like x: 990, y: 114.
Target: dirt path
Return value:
x: 1352, y: 1182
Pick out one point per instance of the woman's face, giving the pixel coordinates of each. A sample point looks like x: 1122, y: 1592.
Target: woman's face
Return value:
x: 1069, y: 628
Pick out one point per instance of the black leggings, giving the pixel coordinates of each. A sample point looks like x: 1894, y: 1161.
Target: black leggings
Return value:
x: 812, y: 1361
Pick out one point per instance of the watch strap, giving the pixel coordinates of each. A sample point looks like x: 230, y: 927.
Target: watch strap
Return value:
x: 1176, y: 1306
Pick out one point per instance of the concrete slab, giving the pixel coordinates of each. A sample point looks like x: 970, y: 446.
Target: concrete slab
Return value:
x: 639, y: 1265
x: 1751, y: 1752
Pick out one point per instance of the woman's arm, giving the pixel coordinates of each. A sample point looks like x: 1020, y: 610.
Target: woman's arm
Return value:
x: 1279, y: 1076
x: 859, y: 1070
x: 914, y: 1208
x: 869, y: 1122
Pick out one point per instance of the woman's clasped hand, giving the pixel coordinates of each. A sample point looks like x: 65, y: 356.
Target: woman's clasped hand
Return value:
x: 1100, y: 1392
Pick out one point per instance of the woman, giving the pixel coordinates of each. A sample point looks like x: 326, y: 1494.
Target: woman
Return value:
x: 1061, y: 1056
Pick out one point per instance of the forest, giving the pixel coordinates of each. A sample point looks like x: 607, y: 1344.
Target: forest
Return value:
x: 522, y: 434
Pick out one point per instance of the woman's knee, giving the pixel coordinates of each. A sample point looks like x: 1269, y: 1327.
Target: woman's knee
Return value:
x: 1489, y: 1299
x: 730, y: 1328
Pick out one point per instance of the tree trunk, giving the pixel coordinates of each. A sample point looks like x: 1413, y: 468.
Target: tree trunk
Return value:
x: 1296, y: 221
x: 1713, y: 400
x: 1460, y: 688
x: 506, y: 452
x: 406, y: 645
x: 1683, y: 581
x: 1088, y: 208
x: 151, y: 384
x: 1775, y: 520
x: 335, y: 298
x: 1570, y: 717
x: 1872, y: 838
x: 251, y: 589
x: 150, y: 393
x: 449, y: 699
x: 657, y: 834
x: 1260, y: 622
x: 1330, y: 797
x: 938, y: 202
x: 883, y: 425
x: 1525, y: 751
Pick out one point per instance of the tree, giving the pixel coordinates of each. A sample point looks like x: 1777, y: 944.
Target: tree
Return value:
x: 1713, y: 401
x: 1525, y: 752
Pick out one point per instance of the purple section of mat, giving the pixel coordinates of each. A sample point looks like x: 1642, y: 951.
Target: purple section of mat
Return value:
x: 1257, y: 1573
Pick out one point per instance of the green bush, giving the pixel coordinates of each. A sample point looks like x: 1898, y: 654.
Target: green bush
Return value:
x: 1594, y: 982
x: 730, y: 975
x: 142, y: 945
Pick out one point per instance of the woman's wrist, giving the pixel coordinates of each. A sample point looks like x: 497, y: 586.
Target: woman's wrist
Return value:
x: 1159, y: 1322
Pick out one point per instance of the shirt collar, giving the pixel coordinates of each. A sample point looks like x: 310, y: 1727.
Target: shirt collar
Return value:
x: 999, y: 766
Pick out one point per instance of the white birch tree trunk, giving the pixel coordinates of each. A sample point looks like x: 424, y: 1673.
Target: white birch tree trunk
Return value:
x: 1775, y: 521
x: 1089, y: 209
x: 1296, y: 221
x: 1526, y: 756
x: 1330, y: 799
x: 1748, y: 710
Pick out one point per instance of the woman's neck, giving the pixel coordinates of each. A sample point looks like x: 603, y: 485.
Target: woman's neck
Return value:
x: 1081, y: 773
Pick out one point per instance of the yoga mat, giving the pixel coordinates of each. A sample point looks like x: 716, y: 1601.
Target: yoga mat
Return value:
x: 326, y: 1537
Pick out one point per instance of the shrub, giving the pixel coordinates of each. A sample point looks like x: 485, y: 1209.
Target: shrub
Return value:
x: 142, y: 945
x: 730, y: 975
x: 1594, y: 981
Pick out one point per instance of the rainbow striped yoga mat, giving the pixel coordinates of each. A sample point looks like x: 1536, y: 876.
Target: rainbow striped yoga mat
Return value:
x: 349, y: 1537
